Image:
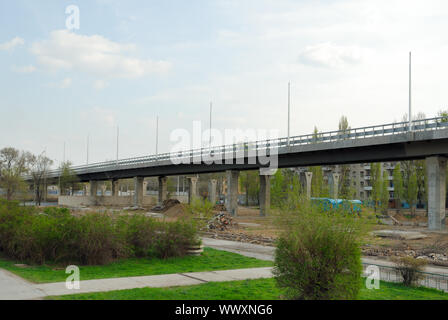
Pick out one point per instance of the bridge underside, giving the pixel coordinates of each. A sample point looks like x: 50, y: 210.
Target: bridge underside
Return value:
x: 431, y: 145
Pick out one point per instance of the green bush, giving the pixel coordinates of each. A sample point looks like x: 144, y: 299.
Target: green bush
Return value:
x: 318, y: 255
x: 94, y: 238
x: 410, y: 269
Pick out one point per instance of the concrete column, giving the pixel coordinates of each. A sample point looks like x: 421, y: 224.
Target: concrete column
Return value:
x: 93, y: 190
x: 265, y: 194
x: 103, y: 189
x: 138, y: 191
x: 436, y: 169
x: 309, y: 177
x: 232, y: 192
x: 115, y: 188
x: 192, y: 188
x: 212, y: 191
x: 335, y: 185
x: 162, y: 189
x: 145, y: 187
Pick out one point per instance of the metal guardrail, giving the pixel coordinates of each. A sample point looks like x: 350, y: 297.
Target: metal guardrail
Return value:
x: 329, y: 136
x: 429, y: 280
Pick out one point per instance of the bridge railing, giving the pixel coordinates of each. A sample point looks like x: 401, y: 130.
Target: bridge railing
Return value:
x: 257, y: 146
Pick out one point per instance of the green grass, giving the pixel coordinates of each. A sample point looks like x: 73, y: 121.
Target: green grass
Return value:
x: 262, y: 289
x: 210, y: 260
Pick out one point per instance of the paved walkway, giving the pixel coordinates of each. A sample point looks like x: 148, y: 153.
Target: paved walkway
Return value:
x: 267, y: 253
x: 15, y: 288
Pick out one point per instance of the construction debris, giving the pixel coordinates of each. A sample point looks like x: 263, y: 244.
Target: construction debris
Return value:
x: 221, y: 221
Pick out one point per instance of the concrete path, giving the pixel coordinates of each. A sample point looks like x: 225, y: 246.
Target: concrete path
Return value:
x: 15, y: 288
x: 267, y: 253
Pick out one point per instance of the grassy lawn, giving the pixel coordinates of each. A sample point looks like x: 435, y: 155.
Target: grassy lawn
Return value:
x: 210, y: 260
x: 262, y: 289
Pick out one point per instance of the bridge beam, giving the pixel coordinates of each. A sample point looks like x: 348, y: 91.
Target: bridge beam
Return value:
x: 138, y: 191
x: 232, y: 192
x: 265, y: 194
x: 436, y: 172
x: 212, y: 191
x: 162, y: 189
x: 192, y: 188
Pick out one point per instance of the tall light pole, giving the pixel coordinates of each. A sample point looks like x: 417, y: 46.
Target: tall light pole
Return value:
x: 410, y: 92
x: 289, y: 107
x: 87, y: 161
x: 210, y: 141
x: 157, y: 136
x: 118, y: 135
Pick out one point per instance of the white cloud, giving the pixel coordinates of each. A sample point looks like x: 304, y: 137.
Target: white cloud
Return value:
x: 9, y: 45
x: 93, y: 55
x: 24, y: 69
x: 100, y: 116
x: 100, y: 84
x: 64, y: 84
x: 329, y: 55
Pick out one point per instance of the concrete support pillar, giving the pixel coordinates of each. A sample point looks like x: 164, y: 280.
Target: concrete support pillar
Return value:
x: 138, y: 191
x: 309, y: 177
x: 265, y: 194
x: 145, y: 187
x: 436, y: 169
x: 336, y: 185
x: 212, y: 191
x: 162, y: 189
x: 232, y: 192
x: 103, y: 189
x: 93, y: 190
x: 192, y: 188
x: 115, y: 188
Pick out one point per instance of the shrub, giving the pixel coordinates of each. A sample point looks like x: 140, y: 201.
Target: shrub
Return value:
x: 94, y: 238
x: 318, y: 254
x: 200, y: 208
x: 410, y: 269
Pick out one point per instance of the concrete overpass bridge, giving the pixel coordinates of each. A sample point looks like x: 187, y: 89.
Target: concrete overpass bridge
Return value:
x: 426, y: 139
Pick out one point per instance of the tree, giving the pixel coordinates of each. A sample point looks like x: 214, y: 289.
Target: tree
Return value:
x: 422, y: 180
x: 13, y: 164
x: 343, y: 124
x: 398, y: 185
x: 278, y: 188
x: 249, y: 181
x: 376, y: 182
x: 317, y: 182
x: 412, y: 191
x: 39, y: 167
x: 385, y: 193
x: 68, y: 177
x: 444, y: 115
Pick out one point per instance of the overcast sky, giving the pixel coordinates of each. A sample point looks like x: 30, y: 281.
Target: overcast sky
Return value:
x: 133, y: 60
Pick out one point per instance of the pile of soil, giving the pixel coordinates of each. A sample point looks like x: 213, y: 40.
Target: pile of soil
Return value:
x: 169, y: 203
x: 175, y: 211
x: 166, y: 205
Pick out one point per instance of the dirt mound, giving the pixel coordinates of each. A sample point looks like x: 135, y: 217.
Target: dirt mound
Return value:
x: 175, y: 211
x: 166, y: 205
x: 169, y: 203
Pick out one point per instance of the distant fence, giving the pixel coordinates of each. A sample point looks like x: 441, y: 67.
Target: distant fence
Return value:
x: 429, y: 280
